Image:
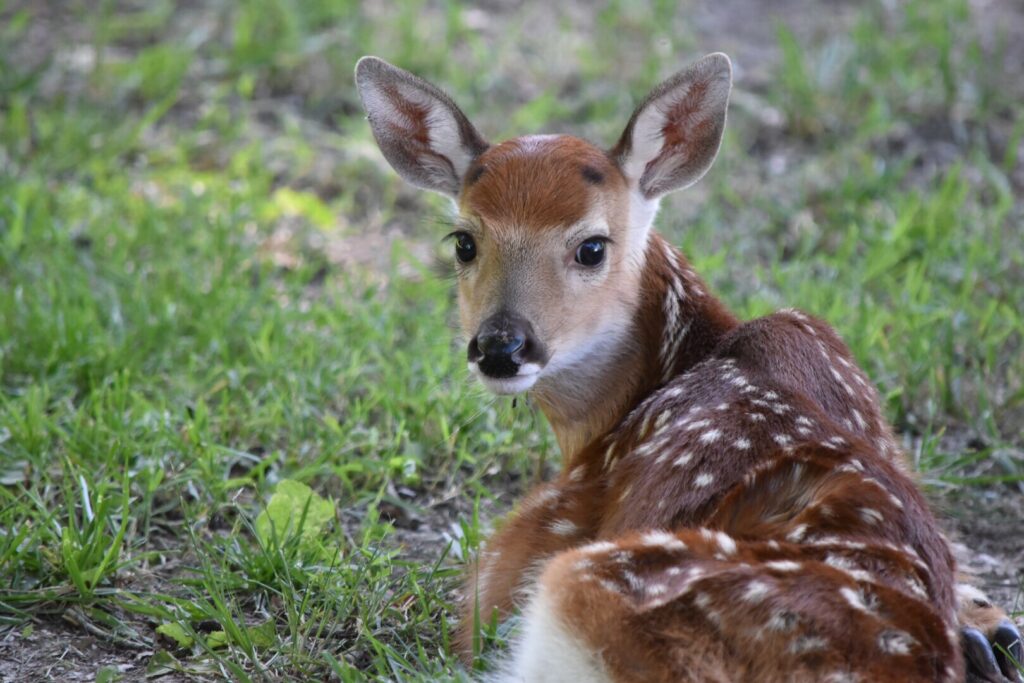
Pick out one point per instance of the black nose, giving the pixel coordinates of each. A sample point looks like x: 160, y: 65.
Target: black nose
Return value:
x: 503, y: 343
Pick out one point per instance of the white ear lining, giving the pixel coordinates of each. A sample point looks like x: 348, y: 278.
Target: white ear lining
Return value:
x: 647, y: 142
x: 445, y: 138
x: 674, y: 135
x: 403, y: 110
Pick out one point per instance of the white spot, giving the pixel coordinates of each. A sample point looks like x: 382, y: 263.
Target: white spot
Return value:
x: 598, y: 547
x: 807, y: 644
x: 782, y: 620
x: 894, y: 642
x: 870, y: 515
x: 804, y: 420
x: 742, y: 443
x: 699, y: 424
x: 725, y: 543
x: 646, y: 449
x: 797, y: 534
x: 839, y: 562
x: 703, y: 480
x: 842, y: 677
x: 622, y: 557
x: 710, y: 436
x: 662, y: 539
x: 859, y: 419
x: 583, y: 564
x: 682, y: 460
x: 635, y: 582
x: 756, y: 591
x: 563, y: 527
x: 662, y: 457
x: 783, y: 439
x: 853, y: 598
x: 755, y: 417
x: 721, y: 407
x: 576, y: 474
x: 783, y: 565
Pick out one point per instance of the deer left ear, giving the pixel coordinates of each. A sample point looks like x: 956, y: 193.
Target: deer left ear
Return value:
x: 423, y: 135
x: 674, y: 136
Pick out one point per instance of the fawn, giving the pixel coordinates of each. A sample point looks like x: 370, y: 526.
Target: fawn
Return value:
x: 732, y: 505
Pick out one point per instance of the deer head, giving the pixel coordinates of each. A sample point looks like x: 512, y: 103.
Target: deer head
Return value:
x: 552, y: 232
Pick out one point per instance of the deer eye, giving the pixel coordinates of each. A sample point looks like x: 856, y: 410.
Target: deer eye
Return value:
x: 591, y: 252
x: 465, y: 247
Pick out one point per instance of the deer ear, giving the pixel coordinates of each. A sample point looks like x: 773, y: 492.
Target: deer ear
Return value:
x: 423, y: 135
x: 675, y: 134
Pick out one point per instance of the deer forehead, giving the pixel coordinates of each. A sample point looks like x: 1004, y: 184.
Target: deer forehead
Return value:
x: 541, y: 183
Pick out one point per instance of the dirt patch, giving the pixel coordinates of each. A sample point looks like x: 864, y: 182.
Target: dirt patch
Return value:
x: 51, y: 650
x: 987, y: 526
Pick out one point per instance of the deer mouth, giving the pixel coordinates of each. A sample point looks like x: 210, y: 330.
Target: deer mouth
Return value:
x: 520, y: 381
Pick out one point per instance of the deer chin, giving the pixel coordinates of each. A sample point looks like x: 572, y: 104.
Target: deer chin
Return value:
x: 519, y: 383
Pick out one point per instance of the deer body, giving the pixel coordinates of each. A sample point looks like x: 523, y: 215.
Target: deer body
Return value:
x: 719, y: 505
x: 732, y: 505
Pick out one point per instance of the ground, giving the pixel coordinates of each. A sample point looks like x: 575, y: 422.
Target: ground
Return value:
x: 211, y: 283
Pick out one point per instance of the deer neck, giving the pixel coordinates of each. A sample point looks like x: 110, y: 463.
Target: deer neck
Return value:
x: 676, y: 323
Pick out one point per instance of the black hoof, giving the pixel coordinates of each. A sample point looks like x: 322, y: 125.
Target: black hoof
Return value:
x: 1008, y: 650
x: 981, y: 662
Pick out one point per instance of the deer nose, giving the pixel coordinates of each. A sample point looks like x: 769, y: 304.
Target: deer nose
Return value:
x: 499, y: 343
x: 503, y: 343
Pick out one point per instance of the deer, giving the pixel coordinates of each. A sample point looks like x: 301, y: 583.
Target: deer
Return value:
x: 731, y: 504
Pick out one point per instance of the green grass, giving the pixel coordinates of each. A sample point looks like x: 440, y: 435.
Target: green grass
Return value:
x: 211, y: 283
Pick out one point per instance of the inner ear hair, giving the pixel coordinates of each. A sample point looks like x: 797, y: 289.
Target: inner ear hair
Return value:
x: 674, y: 135
x: 420, y: 130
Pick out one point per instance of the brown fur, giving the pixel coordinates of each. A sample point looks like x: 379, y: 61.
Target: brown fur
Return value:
x: 543, y: 188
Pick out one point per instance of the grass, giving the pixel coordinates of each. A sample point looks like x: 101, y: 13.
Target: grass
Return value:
x: 212, y: 286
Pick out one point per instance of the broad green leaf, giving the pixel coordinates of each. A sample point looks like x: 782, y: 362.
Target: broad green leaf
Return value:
x: 283, y: 519
x: 177, y: 633
x: 217, y: 639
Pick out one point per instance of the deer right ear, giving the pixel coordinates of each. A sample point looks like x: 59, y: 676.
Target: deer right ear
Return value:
x: 674, y: 135
x: 423, y: 135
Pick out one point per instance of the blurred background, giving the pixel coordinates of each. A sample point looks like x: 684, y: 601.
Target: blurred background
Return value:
x: 212, y: 283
